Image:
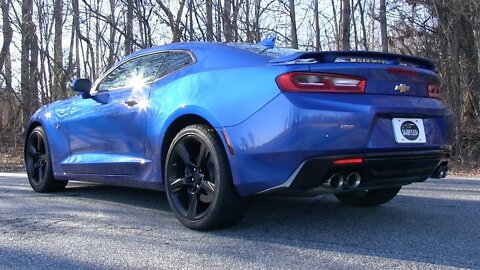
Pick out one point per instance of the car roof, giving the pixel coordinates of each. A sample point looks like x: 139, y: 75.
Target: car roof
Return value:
x: 210, y: 54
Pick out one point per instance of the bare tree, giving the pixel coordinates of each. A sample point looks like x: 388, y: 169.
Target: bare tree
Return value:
x: 227, y: 23
x: 7, y: 32
x: 361, y: 8
x: 335, y: 25
x: 129, y: 28
x: 383, y: 25
x: 58, y: 88
x: 318, y: 46
x: 209, y: 27
x: 293, y: 27
x: 345, y: 23
x: 174, y: 22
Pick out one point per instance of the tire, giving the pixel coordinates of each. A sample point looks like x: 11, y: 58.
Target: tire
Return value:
x: 368, y: 198
x: 38, y: 163
x: 198, y: 181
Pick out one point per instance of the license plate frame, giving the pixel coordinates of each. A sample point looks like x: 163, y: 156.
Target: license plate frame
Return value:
x: 409, y: 130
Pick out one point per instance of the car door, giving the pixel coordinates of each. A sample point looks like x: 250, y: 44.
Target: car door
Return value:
x: 107, y: 131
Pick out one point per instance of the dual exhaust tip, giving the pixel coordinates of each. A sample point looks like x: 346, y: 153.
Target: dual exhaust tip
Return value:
x: 441, y: 172
x: 338, y: 181
x: 353, y: 179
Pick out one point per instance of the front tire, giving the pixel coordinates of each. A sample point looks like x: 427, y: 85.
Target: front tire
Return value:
x: 38, y: 163
x: 198, y: 181
x: 368, y: 198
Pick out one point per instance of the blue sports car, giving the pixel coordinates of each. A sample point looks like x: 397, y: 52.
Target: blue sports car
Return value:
x: 215, y: 123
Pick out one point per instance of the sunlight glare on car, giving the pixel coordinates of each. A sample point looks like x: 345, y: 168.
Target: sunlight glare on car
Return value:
x: 143, y: 103
x: 137, y: 83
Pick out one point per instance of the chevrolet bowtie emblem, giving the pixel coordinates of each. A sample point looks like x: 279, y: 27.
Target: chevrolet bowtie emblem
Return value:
x: 402, y: 88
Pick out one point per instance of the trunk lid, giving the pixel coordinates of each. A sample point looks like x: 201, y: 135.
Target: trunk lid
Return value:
x: 386, y: 74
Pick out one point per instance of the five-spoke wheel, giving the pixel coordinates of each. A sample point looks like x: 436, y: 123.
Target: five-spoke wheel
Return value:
x: 38, y: 163
x: 198, y: 181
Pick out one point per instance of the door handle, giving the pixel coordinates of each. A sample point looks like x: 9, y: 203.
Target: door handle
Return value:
x: 131, y: 102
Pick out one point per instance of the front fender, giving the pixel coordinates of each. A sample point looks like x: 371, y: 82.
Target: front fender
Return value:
x: 53, y: 119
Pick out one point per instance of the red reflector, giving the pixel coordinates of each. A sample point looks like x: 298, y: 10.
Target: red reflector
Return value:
x: 348, y: 161
x: 229, y: 143
x: 434, y: 91
x: 320, y: 82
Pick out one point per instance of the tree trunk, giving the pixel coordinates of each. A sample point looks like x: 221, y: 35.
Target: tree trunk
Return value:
x: 354, y: 24
x: 59, y: 90
x: 129, y: 28
x: 318, y: 46
x: 469, y: 55
x: 345, y: 23
x: 336, y: 35
x: 236, y: 10
x: 362, y: 24
x: 190, y: 20
x: 111, y: 40
x: 256, y: 22
x: 76, y: 25
x: 227, y: 23
x: 383, y: 25
x: 209, y: 20
x: 7, y: 33
x: 29, y: 95
x: 293, y: 27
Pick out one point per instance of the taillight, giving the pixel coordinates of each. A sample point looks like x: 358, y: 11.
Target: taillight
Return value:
x: 434, y: 91
x: 320, y: 82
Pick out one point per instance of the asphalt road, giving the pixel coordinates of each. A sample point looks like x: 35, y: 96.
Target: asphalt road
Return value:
x: 431, y: 225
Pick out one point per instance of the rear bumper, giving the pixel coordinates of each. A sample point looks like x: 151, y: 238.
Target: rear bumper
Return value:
x: 377, y: 170
x: 296, y: 134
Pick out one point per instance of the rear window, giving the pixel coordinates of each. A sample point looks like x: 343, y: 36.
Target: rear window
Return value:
x: 263, y: 50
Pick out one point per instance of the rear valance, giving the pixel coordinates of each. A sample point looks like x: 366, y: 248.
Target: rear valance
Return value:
x: 356, y: 56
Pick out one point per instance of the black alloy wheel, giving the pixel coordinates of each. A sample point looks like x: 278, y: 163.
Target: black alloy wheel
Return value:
x: 199, y: 185
x: 38, y: 163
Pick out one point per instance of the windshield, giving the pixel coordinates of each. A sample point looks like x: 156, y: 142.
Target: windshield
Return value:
x: 263, y: 50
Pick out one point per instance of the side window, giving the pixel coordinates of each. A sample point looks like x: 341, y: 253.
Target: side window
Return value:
x: 144, y: 69
x: 118, y: 78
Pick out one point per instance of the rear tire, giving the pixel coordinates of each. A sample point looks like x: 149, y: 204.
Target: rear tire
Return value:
x: 368, y: 198
x: 38, y: 163
x: 198, y: 181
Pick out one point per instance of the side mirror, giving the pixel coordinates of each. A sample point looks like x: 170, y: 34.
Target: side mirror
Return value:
x: 81, y: 86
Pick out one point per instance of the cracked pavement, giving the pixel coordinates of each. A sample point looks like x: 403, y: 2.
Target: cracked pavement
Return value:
x: 432, y: 225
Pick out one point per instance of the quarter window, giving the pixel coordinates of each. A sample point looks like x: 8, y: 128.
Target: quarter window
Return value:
x: 173, y: 61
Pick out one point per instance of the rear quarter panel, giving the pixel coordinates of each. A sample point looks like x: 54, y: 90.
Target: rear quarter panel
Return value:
x: 224, y: 97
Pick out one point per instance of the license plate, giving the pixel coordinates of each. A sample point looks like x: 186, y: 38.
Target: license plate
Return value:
x: 409, y: 130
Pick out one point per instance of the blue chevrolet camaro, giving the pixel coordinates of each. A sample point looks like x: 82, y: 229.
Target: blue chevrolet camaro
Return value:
x: 214, y: 123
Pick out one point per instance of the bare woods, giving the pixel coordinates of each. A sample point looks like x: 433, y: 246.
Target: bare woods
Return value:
x: 46, y: 43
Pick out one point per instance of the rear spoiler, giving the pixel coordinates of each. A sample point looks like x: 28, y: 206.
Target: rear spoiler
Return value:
x: 331, y: 57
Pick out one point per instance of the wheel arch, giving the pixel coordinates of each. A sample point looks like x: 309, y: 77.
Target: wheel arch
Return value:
x: 30, y: 127
x: 178, y: 124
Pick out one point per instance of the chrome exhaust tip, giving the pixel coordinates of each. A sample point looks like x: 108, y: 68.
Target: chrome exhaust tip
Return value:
x: 335, y: 181
x: 443, y: 172
x: 353, y: 180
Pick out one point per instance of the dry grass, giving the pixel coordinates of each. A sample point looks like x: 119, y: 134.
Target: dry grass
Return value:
x: 11, y: 159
